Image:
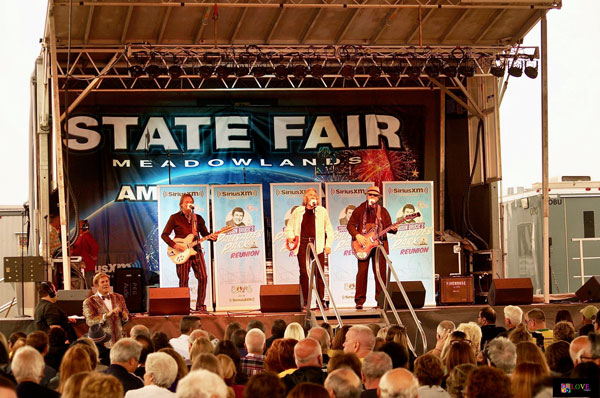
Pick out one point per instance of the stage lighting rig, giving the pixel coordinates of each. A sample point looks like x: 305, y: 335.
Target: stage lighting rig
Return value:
x: 516, y: 69
x: 531, y: 71
x: 281, y: 71
x: 222, y: 71
x: 498, y: 68
x: 348, y: 72
x: 136, y: 71
x: 175, y: 71
x: 317, y: 71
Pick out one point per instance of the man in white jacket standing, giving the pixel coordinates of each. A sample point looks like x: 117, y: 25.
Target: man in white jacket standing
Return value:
x: 309, y: 223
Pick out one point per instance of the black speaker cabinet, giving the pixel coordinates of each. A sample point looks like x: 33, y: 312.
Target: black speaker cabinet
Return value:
x: 414, y: 290
x: 511, y: 291
x: 129, y: 283
x: 590, y: 291
x: 280, y: 298
x: 71, y: 301
x: 169, y: 301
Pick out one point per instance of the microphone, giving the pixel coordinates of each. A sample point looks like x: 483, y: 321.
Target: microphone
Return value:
x: 191, y: 206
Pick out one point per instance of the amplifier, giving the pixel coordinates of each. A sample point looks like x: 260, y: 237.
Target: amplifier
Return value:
x: 456, y: 290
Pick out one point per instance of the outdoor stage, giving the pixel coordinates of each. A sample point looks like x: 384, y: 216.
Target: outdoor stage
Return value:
x: 216, y: 322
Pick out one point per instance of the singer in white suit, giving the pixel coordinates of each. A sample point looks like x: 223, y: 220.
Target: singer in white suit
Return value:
x: 309, y: 223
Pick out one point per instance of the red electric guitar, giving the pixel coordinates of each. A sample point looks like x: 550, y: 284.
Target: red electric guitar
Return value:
x: 362, y: 252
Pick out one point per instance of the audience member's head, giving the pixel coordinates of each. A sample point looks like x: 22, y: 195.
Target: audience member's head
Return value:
x: 73, y: 385
x: 340, y: 336
x: 344, y: 360
x: 38, y: 340
x: 256, y: 324
x: 160, y: 340
x: 530, y: 352
x: 519, y: 334
x: 207, y: 362
x: 308, y: 353
x: 429, y: 370
x: 201, y: 384
x: 266, y: 385
x: 397, y: 334
x: 294, y: 331
x: 140, y: 330
x: 201, y: 346
x: 513, y: 316
x: 525, y: 377
x: 397, y: 352
x: 182, y: 369
x: 460, y: 352
x: 487, y: 316
x: 343, y: 383
x: 8, y: 388
x: 322, y: 336
x: 536, y: 319
x: 161, y: 370
x: 75, y: 360
x: 147, y: 346
x: 196, y: 334
x: 126, y: 352
x: 255, y: 341
x: 280, y: 356
x: 374, y: 367
x: 278, y: 328
x: 457, y: 379
x: 588, y: 314
x: 564, y: 330
x: 28, y: 365
x: 444, y: 328
x: 189, y: 323
x: 359, y: 340
x: 228, y: 368
x: 57, y: 337
x: 473, y: 332
x: 90, y: 347
x: 238, y: 338
x: 501, y: 353
x: 232, y: 327
x: 100, y: 385
x: 488, y: 382
x: 586, y: 370
x: 558, y: 358
x: 307, y: 390
x: 563, y: 315
x: 398, y: 383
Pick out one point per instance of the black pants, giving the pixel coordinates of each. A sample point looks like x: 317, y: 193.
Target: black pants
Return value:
x: 304, y: 274
x: 362, y: 275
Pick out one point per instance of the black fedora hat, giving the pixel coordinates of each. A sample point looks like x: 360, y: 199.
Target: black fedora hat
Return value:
x: 97, y: 334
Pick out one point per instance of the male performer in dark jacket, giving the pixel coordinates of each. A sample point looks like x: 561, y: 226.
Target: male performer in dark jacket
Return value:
x: 366, y: 216
x: 184, y: 223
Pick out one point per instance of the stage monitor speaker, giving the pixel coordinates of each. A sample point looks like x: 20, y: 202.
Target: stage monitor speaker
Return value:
x: 511, y: 291
x: 71, y: 301
x: 129, y: 283
x: 414, y: 290
x: 169, y: 301
x: 280, y: 298
x: 590, y: 291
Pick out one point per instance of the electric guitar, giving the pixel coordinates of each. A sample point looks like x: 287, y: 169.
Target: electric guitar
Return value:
x: 362, y: 252
x: 180, y: 257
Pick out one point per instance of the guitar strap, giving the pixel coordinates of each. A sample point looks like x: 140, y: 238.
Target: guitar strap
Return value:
x: 377, y: 219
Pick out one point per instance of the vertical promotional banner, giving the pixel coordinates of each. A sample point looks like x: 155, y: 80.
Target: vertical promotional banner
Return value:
x: 411, y: 248
x: 342, y: 199
x: 168, y: 203
x: 284, y: 199
x: 239, y: 254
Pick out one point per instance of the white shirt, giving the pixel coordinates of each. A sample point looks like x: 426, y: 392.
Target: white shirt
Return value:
x: 150, y: 391
x: 107, y: 302
x: 181, y: 344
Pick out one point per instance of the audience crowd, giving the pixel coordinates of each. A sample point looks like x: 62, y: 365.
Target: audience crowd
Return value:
x: 472, y: 360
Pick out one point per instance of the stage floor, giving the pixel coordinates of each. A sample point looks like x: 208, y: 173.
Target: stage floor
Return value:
x: 216, y: 322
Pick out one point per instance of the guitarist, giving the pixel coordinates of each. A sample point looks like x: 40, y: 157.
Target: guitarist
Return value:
x: 309, y: 223
x: 183, y: 223
x: 367, y: 215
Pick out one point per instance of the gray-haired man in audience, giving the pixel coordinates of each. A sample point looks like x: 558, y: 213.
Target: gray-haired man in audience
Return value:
x: 398, y: 383
x: 343, y: 383
x: 501, y: 353
x: 374, y: 366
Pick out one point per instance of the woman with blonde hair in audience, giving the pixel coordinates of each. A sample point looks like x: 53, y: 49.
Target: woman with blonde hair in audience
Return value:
x: 201, y: 346
x: 456, y: 382
x: 524, y: 378
x: 519, y: 334
x: 73, y: 385
x: 100, y: 385
x: 564, y: 330
x: 460, y: 352
x: 294, y: 331
x: 454, y: 336
x: 528, y: 351
x: 280, y: 357
x: 473, y: 332
x: 208, y: 362
x: 229, y: 374
x: 75, y: 360
x: 90, y: 347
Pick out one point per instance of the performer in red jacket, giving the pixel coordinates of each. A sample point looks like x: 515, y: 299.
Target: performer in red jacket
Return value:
x: 86, y: 247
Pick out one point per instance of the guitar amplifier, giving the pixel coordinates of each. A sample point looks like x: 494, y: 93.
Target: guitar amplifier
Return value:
x: 456, y: 290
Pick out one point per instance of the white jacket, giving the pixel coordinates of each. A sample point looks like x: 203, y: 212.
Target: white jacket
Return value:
x: 322, y: 226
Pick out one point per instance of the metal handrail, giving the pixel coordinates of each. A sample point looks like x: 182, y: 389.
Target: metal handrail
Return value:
x: 308, y: 320
x: 388, y: 299
x: 7, y: 306
x: 581, y: 258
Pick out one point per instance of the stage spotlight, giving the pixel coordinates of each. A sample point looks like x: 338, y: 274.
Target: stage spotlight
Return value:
x: 450, y: 70
x: 516, y: 69
x: 394, y: 72
x: 154, y: 71
x: 136, y: 71
x: 374, y: 72
x: 222, y: 72
x: 413, y: 72
x: 432, y: 69
x: 175, y: 71
x: 241, y: 71
x: 281, y: 72
x: 300, y: 71
x: 466, y: 70
x: 532, y: 71
x: 205, y: 71
x: 259, y: 71
x: 317, y: 71
x: 348, y: 72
